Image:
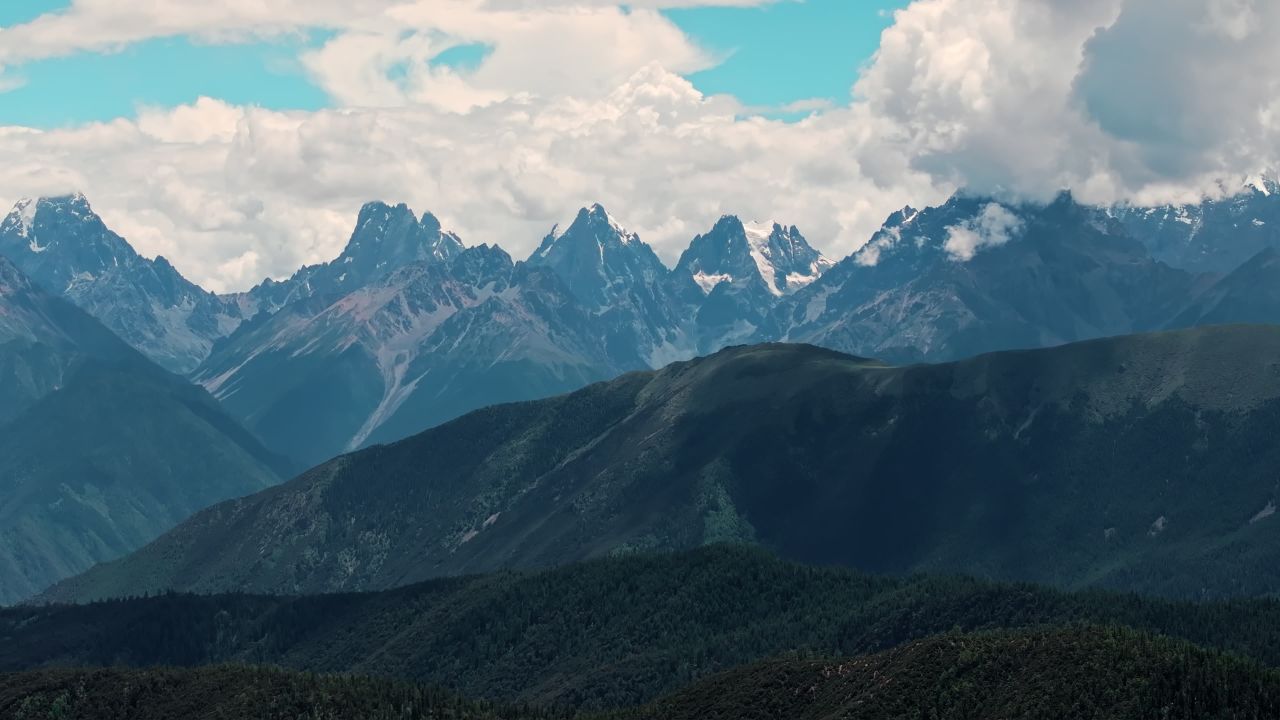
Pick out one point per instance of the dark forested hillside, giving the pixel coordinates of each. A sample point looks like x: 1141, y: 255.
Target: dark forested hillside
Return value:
x: 1084, y: 673
x: 608, y: 633
x: 242, y: 693
x: 1080, y: 673
x: 1140, y: 463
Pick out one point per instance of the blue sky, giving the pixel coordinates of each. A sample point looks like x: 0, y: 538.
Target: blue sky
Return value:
x: 772, y: 56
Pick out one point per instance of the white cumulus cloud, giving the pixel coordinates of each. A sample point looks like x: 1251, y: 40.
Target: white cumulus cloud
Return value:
x: 580, y: 101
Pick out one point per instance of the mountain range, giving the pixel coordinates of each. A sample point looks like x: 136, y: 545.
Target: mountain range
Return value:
x: 408, y: 328
x: 1049, y: 465
x: 62, y: 245
x: 100, y: 449
x: 530, y: 465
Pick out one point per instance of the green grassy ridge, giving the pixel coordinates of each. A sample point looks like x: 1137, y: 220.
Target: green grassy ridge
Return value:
x: 1083, y: 673
x: 1140, y: 463
x: 603, y: 634
x: 1086, y: 673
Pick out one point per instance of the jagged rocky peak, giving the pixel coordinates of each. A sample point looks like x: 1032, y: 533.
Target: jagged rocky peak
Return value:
x: 599, y: 259
x: 600, y: 221
x: 481, y: 264
x: 733, y: 251
x: 593, y: 226
x: 64, y: 230
x: 902, y: 217
x: 447, y: 245
x: 21, y: 220
x: 785, y: 259
x: 74, y: 206
x: 67, y: 249
x: 387, y: 237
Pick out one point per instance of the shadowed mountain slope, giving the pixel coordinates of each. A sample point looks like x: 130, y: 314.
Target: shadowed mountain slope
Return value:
x: 1142, y: 462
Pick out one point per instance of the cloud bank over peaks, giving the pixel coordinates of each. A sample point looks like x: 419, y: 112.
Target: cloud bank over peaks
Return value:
x: 232, y: 194
x: 1142, y: 100
x: 582, y: 101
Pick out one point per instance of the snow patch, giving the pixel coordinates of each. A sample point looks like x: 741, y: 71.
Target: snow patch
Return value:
x: 709, y: 281
x: 818, y: 304
x: 666, y: 353
x: 1158, y: 526
x: 758, y: 235
x: 1258, y: 223
x: 795, y: 281
x: 24, y: 216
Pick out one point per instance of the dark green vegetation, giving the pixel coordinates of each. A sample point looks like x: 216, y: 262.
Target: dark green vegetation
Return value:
x: 1138, y: 463
x: 229, y: 692
x: 100, y: 450
x: 610, y: 633
x: 1082, y: 674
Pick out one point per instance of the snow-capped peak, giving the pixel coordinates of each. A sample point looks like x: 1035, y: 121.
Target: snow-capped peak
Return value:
x: 597, y: 213
x: 734, y: 251
x: 593, y: 225
x: 23, y: 217
x: 777, y: 249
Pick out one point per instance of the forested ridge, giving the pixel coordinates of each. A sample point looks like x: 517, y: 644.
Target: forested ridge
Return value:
x: 1082, y: 673
x: 603, y: 634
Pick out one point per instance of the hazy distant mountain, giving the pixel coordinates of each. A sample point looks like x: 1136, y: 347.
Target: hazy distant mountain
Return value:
x: 41, y: 341
x: 100, y: 450
x: 619, y: 280
x: 1214, y: 235
x: 407, y: 328
x: 737, y: 253
x: 385, y: 239
x: 1049, y: 465
x: 1250, y: 293
x: 735, y: 274
x: 975, y: 275
x: 403, y: 331
x: 62, y: 245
